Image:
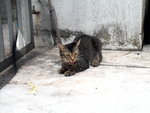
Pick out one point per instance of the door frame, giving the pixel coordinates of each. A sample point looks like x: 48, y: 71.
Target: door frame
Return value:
x: 26, y: 9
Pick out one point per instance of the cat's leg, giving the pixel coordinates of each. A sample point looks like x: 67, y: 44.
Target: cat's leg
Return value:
x: 62, y: 70
x: 98, y: 56
x: 77, y: 67
x: 97, y: 44
x: 69, y: 73
x: 96, y: 60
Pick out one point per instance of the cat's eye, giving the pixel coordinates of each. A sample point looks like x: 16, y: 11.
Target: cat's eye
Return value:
x: 75, y: 49
x: 67, y: 55
x: 62, y: 56
x: 75, y: 54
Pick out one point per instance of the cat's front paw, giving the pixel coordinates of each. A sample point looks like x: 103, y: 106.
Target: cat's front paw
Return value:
x: 69, y: 73
x: 61, y: 70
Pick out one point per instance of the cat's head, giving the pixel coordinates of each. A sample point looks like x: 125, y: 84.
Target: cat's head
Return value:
x: 68, y: 56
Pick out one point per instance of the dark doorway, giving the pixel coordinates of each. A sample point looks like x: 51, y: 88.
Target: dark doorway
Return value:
x: 147, y: 23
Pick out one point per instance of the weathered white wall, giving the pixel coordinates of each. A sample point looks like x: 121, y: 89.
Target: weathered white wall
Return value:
x: 118, y: 23
x: 41, y: 24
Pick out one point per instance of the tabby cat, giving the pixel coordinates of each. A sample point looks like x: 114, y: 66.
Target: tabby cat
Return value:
x: 80, y: 54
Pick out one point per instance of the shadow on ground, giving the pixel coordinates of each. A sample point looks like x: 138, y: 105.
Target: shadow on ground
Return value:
x: 7, y: 75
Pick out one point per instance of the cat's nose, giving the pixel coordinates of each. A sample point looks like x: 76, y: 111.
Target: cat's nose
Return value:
x: 73, y: 61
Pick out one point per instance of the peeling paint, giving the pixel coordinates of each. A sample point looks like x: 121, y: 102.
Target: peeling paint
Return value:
x: 66, y: 33
x: 103, y: 34
x: 111, y: 35
x: 135, y: 40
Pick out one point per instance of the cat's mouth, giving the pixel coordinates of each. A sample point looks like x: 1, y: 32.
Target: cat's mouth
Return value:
x: 73, y: 62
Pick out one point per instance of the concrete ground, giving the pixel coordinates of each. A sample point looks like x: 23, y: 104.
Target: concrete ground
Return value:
x: 121, y: 84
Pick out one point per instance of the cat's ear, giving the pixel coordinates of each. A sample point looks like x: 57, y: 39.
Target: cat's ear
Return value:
x: 60, y: 46
x: 78, y: 43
